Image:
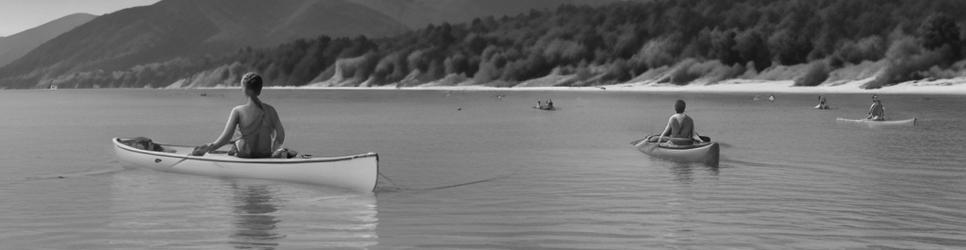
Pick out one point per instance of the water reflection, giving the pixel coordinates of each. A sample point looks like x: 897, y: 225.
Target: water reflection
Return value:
x: 684, y: 172
x: 255, y: 222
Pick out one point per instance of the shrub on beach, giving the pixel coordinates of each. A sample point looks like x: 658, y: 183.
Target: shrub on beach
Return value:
x: 816, y: 74
x: 619, y: 71
x: 488, y: 72
x: 711, y: 71
x: 907, y: 60
x: 683, y: 74
x: 391, y: 68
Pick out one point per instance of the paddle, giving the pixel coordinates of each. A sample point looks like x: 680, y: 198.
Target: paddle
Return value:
x: 635, y: 142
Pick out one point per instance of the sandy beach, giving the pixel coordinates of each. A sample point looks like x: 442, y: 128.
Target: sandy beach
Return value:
x: 954, y: 86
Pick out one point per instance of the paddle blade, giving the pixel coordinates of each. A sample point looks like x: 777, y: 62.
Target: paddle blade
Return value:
x: 635, y: 142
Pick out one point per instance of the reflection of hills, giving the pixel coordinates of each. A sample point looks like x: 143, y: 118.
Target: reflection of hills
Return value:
x: 256, y: 223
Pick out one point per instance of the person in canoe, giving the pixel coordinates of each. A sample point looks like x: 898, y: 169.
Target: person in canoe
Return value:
x: 680, y: 127
x: 261, y: 132
x: 548, y: 105
x: 821, y: 103
x: 876, y: 111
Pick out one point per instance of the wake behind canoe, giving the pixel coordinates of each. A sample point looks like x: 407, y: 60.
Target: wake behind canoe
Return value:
x: 354, y: 172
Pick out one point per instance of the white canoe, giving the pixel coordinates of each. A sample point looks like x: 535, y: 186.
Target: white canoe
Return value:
x: 356, y: 172
x: 878, y: 124
x: 706, y: 152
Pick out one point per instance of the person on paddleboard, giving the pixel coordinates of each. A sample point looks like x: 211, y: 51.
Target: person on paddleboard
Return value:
x: 260, y: 131
x: 876, y: 111
x: 680, y: 127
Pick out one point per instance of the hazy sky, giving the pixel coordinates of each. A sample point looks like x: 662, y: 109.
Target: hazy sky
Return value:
x: 20, y: 15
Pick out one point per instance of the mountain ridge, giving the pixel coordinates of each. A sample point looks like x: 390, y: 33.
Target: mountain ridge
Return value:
x: 180, y: 28
x: 17, y: 45
x: 417, y: 14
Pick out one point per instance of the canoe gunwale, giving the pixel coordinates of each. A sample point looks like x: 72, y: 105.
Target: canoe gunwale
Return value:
x: 117, y: 142
x: 685, y: 147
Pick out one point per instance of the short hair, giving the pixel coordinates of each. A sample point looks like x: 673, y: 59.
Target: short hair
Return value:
x: 679, y: 106
x: 253, y: 82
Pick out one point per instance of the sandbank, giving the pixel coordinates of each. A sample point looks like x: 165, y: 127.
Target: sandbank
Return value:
x: 954, y: 86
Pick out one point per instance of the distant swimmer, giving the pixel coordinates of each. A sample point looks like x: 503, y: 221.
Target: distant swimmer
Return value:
x: 771, y: 98
x: 876, y: 111
x: 821, y: 103
x: 680, y: 127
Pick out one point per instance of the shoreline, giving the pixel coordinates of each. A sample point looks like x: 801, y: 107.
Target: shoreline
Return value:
x: 952, y: 86
x: 955, y: 86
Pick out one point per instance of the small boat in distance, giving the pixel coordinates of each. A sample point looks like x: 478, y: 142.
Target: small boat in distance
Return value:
x: 545, y: 105
x: 879, y: 124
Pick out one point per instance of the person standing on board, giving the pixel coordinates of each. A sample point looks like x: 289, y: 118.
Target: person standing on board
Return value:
x: 680, y: 127
x: 260, y: 130
x: 876, y: 111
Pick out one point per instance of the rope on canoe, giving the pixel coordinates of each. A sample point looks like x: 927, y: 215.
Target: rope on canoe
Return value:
x: 390, y: 181
x: 397, y: 187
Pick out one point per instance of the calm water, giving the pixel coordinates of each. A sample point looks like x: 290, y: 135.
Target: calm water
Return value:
x: 496, y: 174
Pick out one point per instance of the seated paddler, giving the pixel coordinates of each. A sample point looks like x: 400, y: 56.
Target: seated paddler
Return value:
x: 680, y: 128
x: 253, y: 127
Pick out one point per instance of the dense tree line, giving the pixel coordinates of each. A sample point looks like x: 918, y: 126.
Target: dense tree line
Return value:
x: 620, y: 41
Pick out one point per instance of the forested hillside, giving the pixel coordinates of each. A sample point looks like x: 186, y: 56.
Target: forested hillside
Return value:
x: 172, y: 31
x: 678, y: 42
